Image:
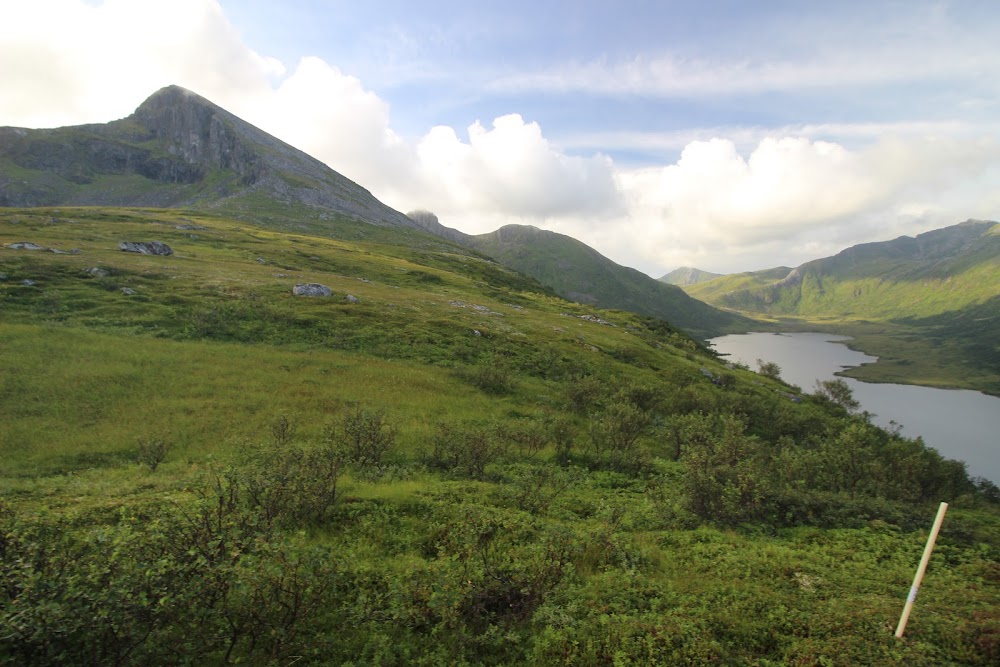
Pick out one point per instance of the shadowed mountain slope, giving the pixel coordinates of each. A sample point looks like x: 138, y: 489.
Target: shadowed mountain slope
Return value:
x: 578, y: 272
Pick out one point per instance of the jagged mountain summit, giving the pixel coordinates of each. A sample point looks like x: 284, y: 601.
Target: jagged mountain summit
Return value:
x: 179, y: 150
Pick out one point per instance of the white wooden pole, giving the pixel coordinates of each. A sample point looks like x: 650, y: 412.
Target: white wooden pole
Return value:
x: 912, y: 597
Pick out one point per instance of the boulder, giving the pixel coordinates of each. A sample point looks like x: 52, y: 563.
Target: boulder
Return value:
x: 25, y: 245
x: 128, y: 291
x: 311, y: 289
x: 146, y: 247
x: 98, y: 272
x: 350, y: 298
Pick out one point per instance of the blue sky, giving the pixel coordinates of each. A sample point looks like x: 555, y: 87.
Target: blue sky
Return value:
x: 725, y: 135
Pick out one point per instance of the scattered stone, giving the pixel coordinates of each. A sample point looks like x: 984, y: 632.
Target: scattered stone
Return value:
x: 477, y: 332
x: 794, y: 398
x: 146, y: 247
x: 805, y: 581
x: 280, y: 275
x: 261, y: 260
x: 27, y: 282
x: 350, y: 298
x: 25, y: 245
x: 71, y: 251
x: 98, y: 272
x: 365, y: 280
x: 311, y: 289
x: 128, y: 291
x: 592, y: 318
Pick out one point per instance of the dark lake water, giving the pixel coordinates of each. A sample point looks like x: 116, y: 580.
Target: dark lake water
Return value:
x: 960, y: 424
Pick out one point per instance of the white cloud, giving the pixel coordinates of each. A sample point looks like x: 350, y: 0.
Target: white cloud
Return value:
x: 791, y: 197
x: 736, y: 198
x: 68, y: 62
x: 512, y: 169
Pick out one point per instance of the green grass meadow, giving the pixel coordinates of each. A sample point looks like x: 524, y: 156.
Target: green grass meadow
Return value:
x: 458, y: 468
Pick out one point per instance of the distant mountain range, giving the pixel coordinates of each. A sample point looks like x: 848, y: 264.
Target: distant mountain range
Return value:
x: 179, y: 150
x: 687, y: 275
x: 939, y: 271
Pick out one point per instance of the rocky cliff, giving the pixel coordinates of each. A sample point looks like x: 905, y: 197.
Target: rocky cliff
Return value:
x: 177, y: 150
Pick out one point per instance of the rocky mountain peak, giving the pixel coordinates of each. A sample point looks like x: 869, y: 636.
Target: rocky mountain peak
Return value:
x: 199, y: 132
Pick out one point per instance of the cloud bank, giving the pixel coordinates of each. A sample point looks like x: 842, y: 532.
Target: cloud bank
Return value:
x: 727, y: 203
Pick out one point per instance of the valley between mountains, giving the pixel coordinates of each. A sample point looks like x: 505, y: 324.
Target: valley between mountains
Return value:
x: 253, y: 415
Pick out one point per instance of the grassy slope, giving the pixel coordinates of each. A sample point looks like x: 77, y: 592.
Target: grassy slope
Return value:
x: 212, y: 347
x: 578, y: 272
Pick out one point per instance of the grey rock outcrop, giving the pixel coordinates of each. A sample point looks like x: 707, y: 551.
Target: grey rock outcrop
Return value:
x: 146, y: 247
x: 311, y: 289
x: 25, y: 245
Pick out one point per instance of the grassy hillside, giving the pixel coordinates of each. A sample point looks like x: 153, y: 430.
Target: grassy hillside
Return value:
x: 454, y: 466
x: 578, y: 272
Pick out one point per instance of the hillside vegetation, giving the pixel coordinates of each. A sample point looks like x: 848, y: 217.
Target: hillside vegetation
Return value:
x: 928, y: 306
x: 441, y: 463
x: 577, y: 272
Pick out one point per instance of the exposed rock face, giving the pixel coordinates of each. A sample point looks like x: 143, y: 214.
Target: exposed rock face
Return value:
x: 191, y: 152
x: 429, y: 222
x: 311, y: 289
x: 146, y: 247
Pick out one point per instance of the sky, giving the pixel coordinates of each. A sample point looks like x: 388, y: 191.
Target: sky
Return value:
x: 720, y: 134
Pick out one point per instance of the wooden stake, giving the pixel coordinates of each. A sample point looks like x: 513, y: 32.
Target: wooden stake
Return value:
x: 912, y: 597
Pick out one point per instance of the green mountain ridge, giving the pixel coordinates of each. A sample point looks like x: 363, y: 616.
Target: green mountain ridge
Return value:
x: 937, y: 295
x: 579, y: 273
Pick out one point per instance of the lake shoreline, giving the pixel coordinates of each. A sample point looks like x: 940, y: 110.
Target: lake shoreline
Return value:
x: 900, y: 356
x: 960, y: 423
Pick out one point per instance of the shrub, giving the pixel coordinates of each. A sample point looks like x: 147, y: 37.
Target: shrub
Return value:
x: 769, y: 369
x: 152, y: 451
x: 493, y: 375
x: 363, y: 437
x: 837, y: 392
x: 466, y: 449
x: 615, y: 433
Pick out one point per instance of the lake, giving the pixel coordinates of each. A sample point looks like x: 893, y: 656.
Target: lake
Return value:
x: 960, y: 424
